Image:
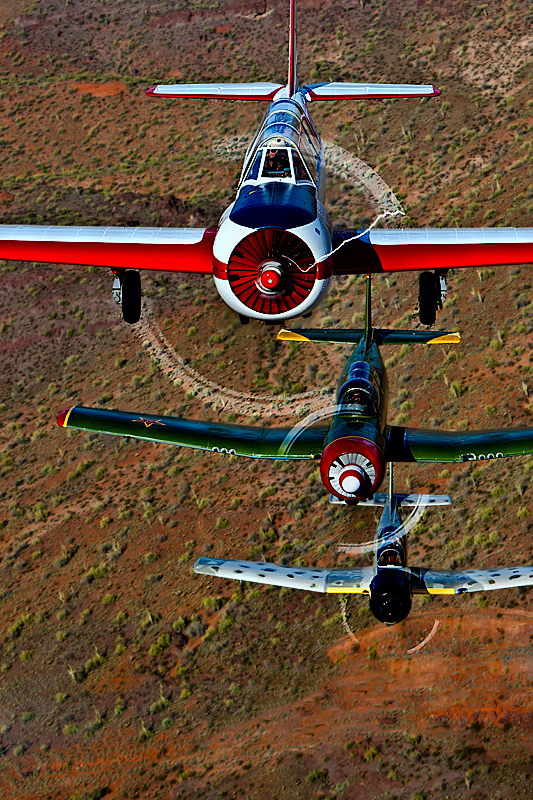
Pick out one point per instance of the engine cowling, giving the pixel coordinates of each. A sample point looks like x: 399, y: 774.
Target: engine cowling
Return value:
x: 390, y: 595
x: 273, y: 274
x: 352, y: 468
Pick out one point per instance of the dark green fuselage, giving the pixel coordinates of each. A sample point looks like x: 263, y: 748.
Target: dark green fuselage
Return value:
x: 367, y: 419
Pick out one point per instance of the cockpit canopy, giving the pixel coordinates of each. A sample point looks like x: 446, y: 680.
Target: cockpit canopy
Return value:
x: 360, y: 396
x: 361, y: 390
x: 276, y: 163
x: 390, y: 557
x: 286, y: 146
x: 279, y: 162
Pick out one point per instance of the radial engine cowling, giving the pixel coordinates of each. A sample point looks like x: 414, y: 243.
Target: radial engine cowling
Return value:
x: 390, y: 595
x: 352, y: 468
x: 272, y: 275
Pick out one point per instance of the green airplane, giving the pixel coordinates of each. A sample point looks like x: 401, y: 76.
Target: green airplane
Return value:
x: 353, y: 448
x: 353, y: 445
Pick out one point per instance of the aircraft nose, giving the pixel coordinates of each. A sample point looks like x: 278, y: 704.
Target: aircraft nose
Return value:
x: 351, y: 479
x: 270, y: 276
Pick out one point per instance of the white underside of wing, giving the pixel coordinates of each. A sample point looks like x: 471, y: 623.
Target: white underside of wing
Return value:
x: 354, y: 581
x: 214, y: 90
x: 100, y: 235
x: 354, y: 91
x: 476, y: 580
x: 443, y: 236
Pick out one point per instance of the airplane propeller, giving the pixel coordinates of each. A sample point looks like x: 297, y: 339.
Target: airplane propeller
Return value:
x: 271, y: 271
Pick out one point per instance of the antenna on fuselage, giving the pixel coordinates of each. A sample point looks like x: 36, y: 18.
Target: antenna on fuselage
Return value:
x: 292, y: 80
x: 368, y: 312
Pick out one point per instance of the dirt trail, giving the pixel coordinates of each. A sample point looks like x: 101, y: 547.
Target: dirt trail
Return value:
x: 190, y: 380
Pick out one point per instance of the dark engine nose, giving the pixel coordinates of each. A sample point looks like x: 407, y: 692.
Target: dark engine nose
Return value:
x: 390, y: 595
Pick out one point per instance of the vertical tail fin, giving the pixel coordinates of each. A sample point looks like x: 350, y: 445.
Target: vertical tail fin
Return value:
x: 369, y: 333
x: 292, y: 81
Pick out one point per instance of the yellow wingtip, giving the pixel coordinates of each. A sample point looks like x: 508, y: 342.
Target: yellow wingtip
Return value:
x: 291, y: 336
x: 448, y: 338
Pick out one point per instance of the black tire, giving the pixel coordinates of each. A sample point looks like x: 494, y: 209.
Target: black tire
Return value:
x: 428, y: 297
x: 131, y: 297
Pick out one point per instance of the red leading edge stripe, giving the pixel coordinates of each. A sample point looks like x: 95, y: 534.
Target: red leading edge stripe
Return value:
x: 211, y: 96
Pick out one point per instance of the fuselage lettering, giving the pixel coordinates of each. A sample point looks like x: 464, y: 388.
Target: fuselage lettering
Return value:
x: 481, y: 456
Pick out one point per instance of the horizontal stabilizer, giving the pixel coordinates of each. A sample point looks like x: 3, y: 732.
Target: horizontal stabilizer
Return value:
x: 408, y: 500
x: 217, y: 91
x: 381, y: 336
x: 353, y: 581
x: 366, y: 91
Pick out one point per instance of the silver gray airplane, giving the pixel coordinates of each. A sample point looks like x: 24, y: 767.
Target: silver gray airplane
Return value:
x: 391, y: 582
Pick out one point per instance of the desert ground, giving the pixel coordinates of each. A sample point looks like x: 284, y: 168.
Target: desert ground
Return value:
x: 124, y: 674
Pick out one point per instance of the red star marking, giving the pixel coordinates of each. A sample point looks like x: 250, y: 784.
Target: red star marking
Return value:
x: 150, y: 422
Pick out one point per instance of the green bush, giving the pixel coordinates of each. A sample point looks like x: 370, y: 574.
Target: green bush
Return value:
x: 317, y: 775
x: 370, y: 754
x: 163, y: 641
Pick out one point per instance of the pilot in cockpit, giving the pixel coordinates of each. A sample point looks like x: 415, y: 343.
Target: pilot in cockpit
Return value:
x: 277, y: 164
x: 359, y: 401
x: 390, y: 558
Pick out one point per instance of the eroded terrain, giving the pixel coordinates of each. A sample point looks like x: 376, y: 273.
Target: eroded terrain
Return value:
x: 124, y: 674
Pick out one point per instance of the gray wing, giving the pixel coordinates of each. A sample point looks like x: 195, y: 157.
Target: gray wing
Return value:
x: 436, y: 581
x: 329, y: 581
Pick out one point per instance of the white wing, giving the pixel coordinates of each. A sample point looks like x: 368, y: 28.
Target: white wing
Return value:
x: 172, y: 249
x: 439, y: 248
x: 353, y: 581
x: 366, y: 91
x: 475, y: 580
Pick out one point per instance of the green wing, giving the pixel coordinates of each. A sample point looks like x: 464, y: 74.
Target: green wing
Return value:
x: 238, y: 440
x: 413, y: 444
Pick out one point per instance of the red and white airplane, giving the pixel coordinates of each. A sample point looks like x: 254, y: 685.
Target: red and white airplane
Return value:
x: 274, y: 252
